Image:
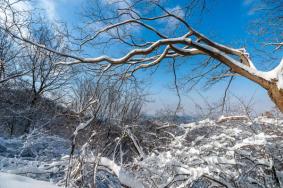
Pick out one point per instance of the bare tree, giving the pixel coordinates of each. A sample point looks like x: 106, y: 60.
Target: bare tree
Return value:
x: 105, y: 109
x: 45, y: 76
x: 144, y: 54
x: 10, y: 56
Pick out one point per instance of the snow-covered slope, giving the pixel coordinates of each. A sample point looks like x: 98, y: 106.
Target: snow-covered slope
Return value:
x: 16, y: 181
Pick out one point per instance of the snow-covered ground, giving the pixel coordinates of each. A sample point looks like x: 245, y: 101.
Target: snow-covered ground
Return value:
x: 229, y: 152
x: 16, y: 181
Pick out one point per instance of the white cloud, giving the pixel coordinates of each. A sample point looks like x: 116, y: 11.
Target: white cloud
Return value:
x: 119, y: 4
x: 178, y: 11
x: 6, y: 13
x: 172, y: 23
x: 6, y: 18
x: 49, y: 6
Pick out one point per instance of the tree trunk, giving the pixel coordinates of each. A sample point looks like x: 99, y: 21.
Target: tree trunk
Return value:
x: 276, y: 95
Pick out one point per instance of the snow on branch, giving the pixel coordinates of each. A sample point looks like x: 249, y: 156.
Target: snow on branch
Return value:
x: 83, y: 125
x: 277, y: 45
x: 277, y: 74
x: 222, y: 119
x: 124, y: 177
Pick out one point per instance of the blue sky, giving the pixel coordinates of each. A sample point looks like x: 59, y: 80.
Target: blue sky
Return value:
x: 224, y: 21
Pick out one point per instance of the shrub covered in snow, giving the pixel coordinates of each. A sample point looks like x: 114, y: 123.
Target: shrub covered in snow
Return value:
x: 234, y: 152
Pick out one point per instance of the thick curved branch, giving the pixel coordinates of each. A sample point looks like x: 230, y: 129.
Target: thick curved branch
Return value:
x: 125, y: 59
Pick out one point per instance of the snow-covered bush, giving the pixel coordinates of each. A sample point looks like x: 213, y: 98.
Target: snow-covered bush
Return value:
x: 229, y: 152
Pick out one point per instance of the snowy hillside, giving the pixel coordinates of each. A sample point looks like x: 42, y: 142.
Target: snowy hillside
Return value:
x: 230, y: 152
x: 15, y: 181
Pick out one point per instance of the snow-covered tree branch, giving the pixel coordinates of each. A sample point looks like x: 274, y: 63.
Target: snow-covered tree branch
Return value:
x: 152, y: 53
